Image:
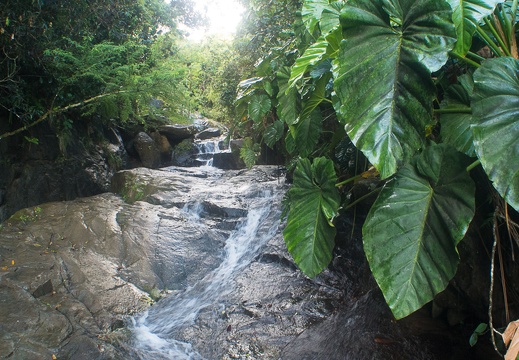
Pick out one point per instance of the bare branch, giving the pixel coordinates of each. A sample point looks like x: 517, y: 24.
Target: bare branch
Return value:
x: 57, y: 111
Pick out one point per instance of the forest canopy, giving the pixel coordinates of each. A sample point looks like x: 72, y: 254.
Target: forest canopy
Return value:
x: 57, y: 54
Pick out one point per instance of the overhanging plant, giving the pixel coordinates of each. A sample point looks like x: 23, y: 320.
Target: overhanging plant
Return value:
x: 383, y: 59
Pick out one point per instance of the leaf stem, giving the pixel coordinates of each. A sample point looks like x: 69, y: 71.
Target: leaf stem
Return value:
x: 491, y: 44
x: 473, y: 165
x: 497, y: 36
x: 457, y: 110
x: 362, y: 198
x: 356, y: 177
x: 463, y: 58
x: 475, y: 56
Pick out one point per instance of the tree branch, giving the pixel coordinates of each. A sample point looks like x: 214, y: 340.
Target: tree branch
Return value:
x: 57, y: 111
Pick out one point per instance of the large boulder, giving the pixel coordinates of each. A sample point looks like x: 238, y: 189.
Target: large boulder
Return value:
x: 31, y: 174
x: 148, y: 150
x: 163, y: 145
x: 184, y: 154
x: 230, y: 160
x: 208, y: 134
x: 176, y: 133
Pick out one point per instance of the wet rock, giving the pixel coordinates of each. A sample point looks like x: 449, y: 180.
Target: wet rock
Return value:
x: 184, y: 154
x: 208, y: 134
x: 177, y: 133
x: 70, y: 271
x: 44, y: 289
x: 147, y: 149
x: 228, y: 161
x: 163, y: 145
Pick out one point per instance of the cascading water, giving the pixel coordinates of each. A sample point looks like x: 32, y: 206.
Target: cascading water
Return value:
x: 207, y: 149
x: 154, y: 331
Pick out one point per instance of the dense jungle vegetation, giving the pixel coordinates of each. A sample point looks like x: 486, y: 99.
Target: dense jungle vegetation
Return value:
x: 418, y: 99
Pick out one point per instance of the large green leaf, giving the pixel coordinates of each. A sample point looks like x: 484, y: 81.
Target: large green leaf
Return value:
x: 466, y: 15
x: 385, y: 88
x: 317, y: 96
x: 273, y: 133
x: 312, y: 11
x: 330, y: 16
x: 309, y: 234
x: 495, y: 107
x: 307, y: 132
x: 288, y: 98
x: 314, y: 54
x: 456, y: 119
x: 247, y: 87
x: 411, y: 232
x: 259, y: 106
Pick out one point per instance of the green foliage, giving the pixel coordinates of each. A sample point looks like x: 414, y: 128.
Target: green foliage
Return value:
x: 416, y: 100
x: 466, y: 17
x: 249, y: 152
x: 273, y: 133
x: 481, y: 329
x: 495, y: 104
x: 457, y: 119
x: 101, y: 53
x: 411, y: 232
x: 209, y: 77
x: 259, y: 106
x: 289, y: 102
x: 314, y: 202
x: 399, y: 61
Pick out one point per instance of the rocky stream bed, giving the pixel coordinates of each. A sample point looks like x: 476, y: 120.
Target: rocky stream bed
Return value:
x: 76, y: 277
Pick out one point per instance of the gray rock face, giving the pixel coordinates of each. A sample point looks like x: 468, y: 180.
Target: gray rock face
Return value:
x: 208, y: 134
x: 163, y: 145
x: 35, y: 181
x: 177, y: 133
x: 71, y: 273
x: 228, y: 161
x: 184, y: 153
x: 148, y: 150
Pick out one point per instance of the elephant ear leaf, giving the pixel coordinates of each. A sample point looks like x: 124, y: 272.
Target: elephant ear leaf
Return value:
x: 466, y: 15
x: 456, y: 122
x: 288, y: 98
x: 385, y: 88
x: 411, y: 232
x: 259, y: 106
x: 495, y: 106
x: 314, y: 201
x: 273, y: 133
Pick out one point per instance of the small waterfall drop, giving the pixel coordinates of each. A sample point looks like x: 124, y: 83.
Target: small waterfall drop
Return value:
x: 207, y: 149
x: 156, y: 329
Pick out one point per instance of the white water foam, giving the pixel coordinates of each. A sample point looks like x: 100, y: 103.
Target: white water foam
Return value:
x: 155, y: 329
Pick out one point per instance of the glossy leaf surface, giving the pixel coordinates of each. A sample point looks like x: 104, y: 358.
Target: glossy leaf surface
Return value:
x: 456, y: 125
x: 495, y: 106
x: 385, y: 88
x: 309, y: 234
x: 411, y: 232
x: 466, y: 15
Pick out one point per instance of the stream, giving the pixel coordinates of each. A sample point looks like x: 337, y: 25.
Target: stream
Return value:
x: 155, y: 329
x: 205, y: 248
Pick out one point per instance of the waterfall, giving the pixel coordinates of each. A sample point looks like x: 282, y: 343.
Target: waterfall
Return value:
x: 155, y: 330
x: 207, y: 149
